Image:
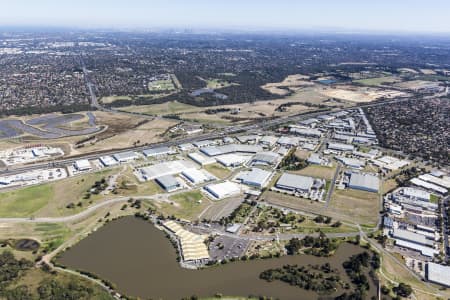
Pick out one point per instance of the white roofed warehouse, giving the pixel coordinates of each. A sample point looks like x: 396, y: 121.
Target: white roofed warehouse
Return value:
x: 364, y: 182
x: 295, y: 183
x: 255, y: 177
x: 223, y: 190
x: 168, y: 182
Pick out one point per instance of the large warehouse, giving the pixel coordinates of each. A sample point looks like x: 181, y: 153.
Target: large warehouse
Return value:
x: 232, y: 160
x: 438, y: 273
x: 166, y: 168
x: 230, y: 148
x: 256, y: 177
x: 223, y: 190
x: 168, y: 182
x: 160, y: 151
x: 295, y: 183
x: 266, y: 158
x: 364, y: 182
x: 197, y: 176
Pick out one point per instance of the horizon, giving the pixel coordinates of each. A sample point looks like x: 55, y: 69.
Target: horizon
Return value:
x: 324, y: 16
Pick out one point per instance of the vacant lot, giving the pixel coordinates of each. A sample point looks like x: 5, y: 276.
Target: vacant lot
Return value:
x: 379, y: 80
x: 186, y: 205
x: 355, y: 206
x: 293, y: 202
x: 317, y: 171
x: 218, y: 170
x: 171, y: 107
x: 25, y: 202
x: 50, y: 199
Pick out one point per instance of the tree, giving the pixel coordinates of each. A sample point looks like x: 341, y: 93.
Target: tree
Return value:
x: 403, y: 290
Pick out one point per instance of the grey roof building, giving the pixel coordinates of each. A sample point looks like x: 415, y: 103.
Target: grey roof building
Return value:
x: 364, y: 182
x: 438, y: 273
x: 168, y: 182
x: 265, y: 158
x: 255, y: 177
x: 292, y: 182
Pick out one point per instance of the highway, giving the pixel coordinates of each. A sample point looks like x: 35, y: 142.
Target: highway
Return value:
x: 259, y: 125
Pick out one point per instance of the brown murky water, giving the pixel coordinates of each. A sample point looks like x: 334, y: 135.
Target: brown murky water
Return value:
x: 141, y: 262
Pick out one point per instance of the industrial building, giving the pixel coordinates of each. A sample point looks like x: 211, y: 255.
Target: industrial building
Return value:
x: 445, y: 183
x: 124, y: 157
x: 340, y: 147
x: 364, y: 182
x: 438, y: 273
x: 197, y: 176
x: 232, y: 160
x: 108, y: 161
x: 82, y: 165
x: 230, y: 148
x: 351, y: 162
x: 160, y: 151
x: 310, y: 132
x: 166, y: 168
x: 168, y: 183
x: 201, y: 159
x: 265, y: 158
x: 295, y: 183
x: 429, y: 186
x: 268, y: 140
x: 223, y: 190
x: 255, y: 177
x: 412, y: 237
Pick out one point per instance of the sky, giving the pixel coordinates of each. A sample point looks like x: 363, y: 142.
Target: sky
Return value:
x: 419, y: 16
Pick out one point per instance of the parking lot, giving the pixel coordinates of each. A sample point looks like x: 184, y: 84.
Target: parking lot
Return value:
x: 224, y: 247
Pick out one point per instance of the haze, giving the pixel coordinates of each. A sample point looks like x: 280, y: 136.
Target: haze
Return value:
x: 354, y: 15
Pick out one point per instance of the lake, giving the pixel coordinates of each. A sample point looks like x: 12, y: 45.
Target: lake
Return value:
x: 139, y: 259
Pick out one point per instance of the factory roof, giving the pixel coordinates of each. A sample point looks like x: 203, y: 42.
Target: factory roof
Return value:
x: 82, y: 164
x: 306, y: 131
x: 157, y: 151
x: 224, y: 189
x: 167, y: 181
x: 416, y: 193
x: 266, y: 157
x: 197, y: 176
x: 411, y: 237
x: 166, y: 168
x: 123, y: 156
x: 254, y: 177
x: 231, y: 159
x: 438, y: 273
x: 108, y: 161
x: 424, y: 250
x: 427, y: 185
x: 201, y: 159
x: 268, y: 139
x: 293, y: 181
x: 363, y: 180
x: 352, y: 162
x: 340, y: 146
x: 436, y: 180
x: 230, y: 148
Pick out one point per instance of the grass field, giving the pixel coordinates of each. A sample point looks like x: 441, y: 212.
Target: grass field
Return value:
x: 161, y: 85
x: 379, y: 80
x: 309, y: 226
x: 317, y: 171
x: 50, y: 199
x: 186, y: 205
x: 356, y: 206
x: 218, y: 170
x: 171, y: 107
x: 215, y: 83
x: 25, y: 202
x: 293, y: 202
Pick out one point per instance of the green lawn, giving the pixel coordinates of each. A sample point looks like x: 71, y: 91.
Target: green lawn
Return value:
x: 24, y: 202
x: 378, y: 80
x: 185, y: 205
x: 217, y: 170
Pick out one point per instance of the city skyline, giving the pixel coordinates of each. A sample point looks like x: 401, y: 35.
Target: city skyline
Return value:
x: 250, y: 15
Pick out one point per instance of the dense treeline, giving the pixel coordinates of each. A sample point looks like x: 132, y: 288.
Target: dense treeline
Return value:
x: 291, y: 162
x: 49, y: 288
x: 65, y: 109
x: 321, y: 279
x: 318, y: 246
